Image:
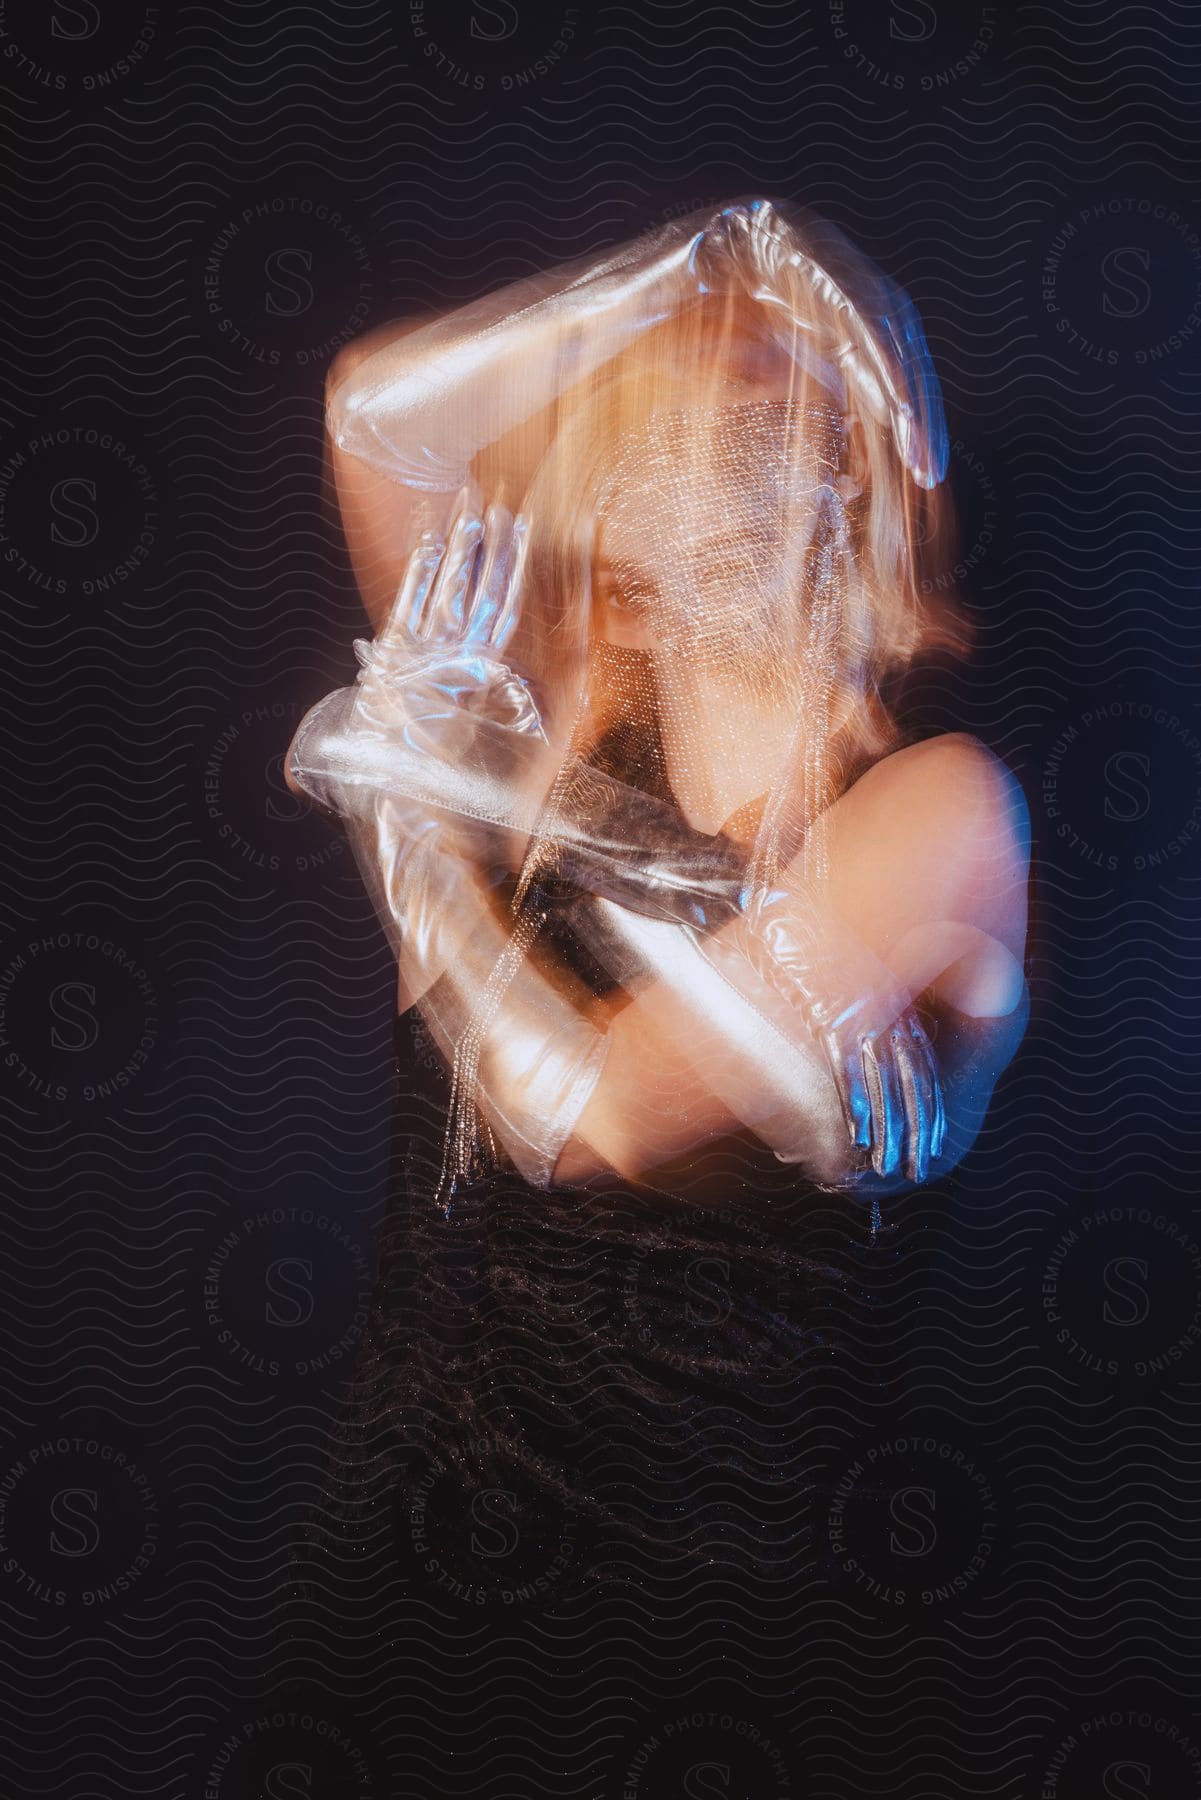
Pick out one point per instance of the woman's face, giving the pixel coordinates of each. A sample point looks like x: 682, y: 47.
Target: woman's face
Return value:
x: 705, y: 523
x: 706, y: 533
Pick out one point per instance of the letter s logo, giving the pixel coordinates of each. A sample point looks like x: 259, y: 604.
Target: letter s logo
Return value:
x: 1126, y: 1278
x: 290, y: 1279
x: 75, y: 1510
x: 504, y: 16
x: 913, y: 1509
x: 1136, y: 293
x: 1137, y: 795
x: 81, y: 523
x: 716, y: 1296
x: 486, y: 1510
x: 922, y: 21
x: 1127, y: 1781
x: 289, y: 1781
x: 67, y: 1003
x: 707, y: 1781
x: 85, y: 15
x: 293, y: 284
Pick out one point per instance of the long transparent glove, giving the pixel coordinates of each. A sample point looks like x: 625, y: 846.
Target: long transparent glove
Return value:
x: 438, y: 726
x: 831, y: 986
x: 421, y: 408
x: 838, y: 1085
x: 519, y: 1048
x: 435, y: 695
x: 880, y: 1056
x: 750, y: 1048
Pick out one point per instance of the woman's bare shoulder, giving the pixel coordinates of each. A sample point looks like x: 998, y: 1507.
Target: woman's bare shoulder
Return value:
x: 954, y: 762
x: 949, y: 789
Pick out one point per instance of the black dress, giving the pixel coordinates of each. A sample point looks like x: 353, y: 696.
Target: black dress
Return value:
x: 629, y: 1369
x: 598, y: 1462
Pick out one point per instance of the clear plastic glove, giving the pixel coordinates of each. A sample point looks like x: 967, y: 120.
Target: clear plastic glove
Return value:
x: 882, y: 1060
x: 651, y: 862
x: 438, y: 718
x: 806, y: 1027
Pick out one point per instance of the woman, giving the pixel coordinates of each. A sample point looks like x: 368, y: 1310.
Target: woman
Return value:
x: 641, y: 541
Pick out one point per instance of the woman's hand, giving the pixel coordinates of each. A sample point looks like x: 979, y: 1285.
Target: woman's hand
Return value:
x: 438, y: 719
x: 883, y: 1063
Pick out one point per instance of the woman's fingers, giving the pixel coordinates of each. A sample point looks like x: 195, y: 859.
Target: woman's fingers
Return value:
x: 404, y: 621
x: 852, y: 1090
x: 906, y: 1050
x: 443, y: 617
x: 929, y: 1077
x: 914, y: 1145
x: 494, y: 568
x: 469, y: 591
x: 506, y: 612
x: 938, y: 1131
x: 888, y: 1118
x: 918, y: 1086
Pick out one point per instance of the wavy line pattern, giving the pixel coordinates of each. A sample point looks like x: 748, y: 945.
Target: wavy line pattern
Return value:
x: 937, y: 1543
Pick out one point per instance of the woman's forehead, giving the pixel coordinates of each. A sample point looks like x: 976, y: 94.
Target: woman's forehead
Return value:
x: 751, y: 441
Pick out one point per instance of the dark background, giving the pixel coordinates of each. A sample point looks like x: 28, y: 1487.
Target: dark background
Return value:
x: 195, y: 1000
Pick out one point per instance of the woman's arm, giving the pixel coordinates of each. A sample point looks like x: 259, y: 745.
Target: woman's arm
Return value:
x: 928, y: 858
x: 410, y: 406
x: 928, y: 865
x: 693, y: 1055
x: 377, y: 512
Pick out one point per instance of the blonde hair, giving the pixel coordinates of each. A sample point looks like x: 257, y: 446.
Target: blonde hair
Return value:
x: 715, y: 354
